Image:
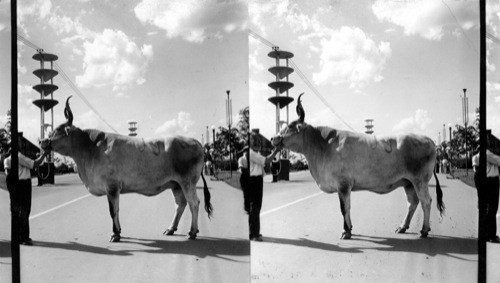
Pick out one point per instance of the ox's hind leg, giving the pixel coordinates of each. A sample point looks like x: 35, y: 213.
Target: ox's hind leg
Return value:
x: 189, y: 189
x: 412, y: 198
x: 180, y: 205
x: 422, y: 190
x: 345, y: 207
x: 114, y: 207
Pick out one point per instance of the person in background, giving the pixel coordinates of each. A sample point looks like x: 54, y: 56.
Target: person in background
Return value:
x: 488, y: 190
x: 256, y: 185
x: 244, y: 177
x: 20, y: 195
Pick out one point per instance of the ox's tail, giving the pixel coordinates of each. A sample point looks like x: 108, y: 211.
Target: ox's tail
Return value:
x: 206, y: 194
x: 439, y: 194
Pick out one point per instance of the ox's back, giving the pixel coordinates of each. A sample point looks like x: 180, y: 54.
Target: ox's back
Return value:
x: 371, y: 163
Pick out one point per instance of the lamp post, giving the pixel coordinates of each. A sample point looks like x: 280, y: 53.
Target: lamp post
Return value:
x: 229, y: 119
x: 465, y: 113
x: 213, y: 144
x: 449, y: 152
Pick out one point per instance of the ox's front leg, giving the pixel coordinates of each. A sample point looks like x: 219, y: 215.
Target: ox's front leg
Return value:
x: 345, y: 207
x: 114, y: 207
x: 180, y: 205
x: 189, y: 190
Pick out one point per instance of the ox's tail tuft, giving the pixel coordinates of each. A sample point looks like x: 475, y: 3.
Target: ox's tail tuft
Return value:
x: 439, y: 194
x: 208, y: 206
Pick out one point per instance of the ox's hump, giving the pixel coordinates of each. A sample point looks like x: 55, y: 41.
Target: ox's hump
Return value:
x: 185, y: 153
x: 417, y: 151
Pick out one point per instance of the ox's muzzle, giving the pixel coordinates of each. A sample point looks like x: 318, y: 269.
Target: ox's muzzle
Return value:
x: 46, y: 144
x: 277, y: 141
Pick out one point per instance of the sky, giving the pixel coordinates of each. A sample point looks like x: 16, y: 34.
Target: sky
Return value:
x: 168, y: 64
x: 165, y: 64
x: 403, y: 64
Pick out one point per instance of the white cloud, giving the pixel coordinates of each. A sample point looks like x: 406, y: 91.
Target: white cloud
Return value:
x: 3, y: 119
x: 253, y: 61
x: 193, y: 20
x: 427, y: 18
x: 348, y: 55
x: 113, y: 59
x: 261, y: 9
x: 89, y: 120
x: 415, y: 124
x: 182, y: 125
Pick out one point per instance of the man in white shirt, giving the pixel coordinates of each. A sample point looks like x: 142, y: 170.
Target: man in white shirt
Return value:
x: 489, y: 191
x: 20, y: 195
x: 256, y: 184
x: 243, y: 164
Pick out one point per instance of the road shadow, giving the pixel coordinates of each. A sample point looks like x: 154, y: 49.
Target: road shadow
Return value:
x: 458, y: 248
x: 306, y: 243
x: 202, y: 247
x: 434, y: 245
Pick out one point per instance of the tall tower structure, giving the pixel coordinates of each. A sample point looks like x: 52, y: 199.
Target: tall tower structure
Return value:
x: 281, y: 99
x: 132, y: 127
x: 46, y: 74
x: 369, y: 126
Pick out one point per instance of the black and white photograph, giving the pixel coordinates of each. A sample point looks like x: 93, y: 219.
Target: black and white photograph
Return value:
x: 249, y: 141
x: 137, y: 108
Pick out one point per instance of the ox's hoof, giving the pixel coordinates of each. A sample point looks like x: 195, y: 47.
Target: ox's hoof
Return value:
x: 401, y: 230
x: 169, y: 232
x: 115, y: 238
x: 192, y: 236
x: 346, y: 235
x: 424, y: 234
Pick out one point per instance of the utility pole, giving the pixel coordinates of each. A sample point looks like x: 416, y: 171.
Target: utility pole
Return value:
x: 465, y: 116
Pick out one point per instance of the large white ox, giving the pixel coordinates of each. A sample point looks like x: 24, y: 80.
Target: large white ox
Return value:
x: 112, y: 164
x: 343, y: 161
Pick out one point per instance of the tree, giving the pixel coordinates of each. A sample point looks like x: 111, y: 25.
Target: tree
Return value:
x: 243, y: 125
x: 458, y: 141
x: 5, y: 135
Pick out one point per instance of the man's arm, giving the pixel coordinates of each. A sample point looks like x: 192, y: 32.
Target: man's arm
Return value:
x: 271, y: 156
x: 492, y: 158
x: 27, y: 162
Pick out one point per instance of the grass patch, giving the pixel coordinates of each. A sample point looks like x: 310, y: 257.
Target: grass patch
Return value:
x: 464, y: 176
x: 3, y: 183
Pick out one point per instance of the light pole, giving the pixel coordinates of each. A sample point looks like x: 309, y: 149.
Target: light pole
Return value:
x: 229, y: 119
x: 449, y: 151
x: 465, y: 113
x: 213, y: 157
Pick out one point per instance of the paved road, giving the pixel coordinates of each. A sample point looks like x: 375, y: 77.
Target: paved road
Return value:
x: 302, y: 228
x: 71, y: 230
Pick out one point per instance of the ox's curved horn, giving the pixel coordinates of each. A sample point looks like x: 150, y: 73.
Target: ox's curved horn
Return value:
x: 67, y: 112
x: 300, y: 109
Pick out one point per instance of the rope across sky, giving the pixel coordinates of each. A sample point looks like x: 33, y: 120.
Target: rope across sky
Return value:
x: 303, y: 78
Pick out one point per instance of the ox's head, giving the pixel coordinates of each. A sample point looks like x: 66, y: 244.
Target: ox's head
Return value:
x: 292, y: 136
x: 59, y: 139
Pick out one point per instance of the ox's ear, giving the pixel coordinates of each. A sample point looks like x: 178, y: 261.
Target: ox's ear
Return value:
x: 298, y: 127
x: 68, y: 129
